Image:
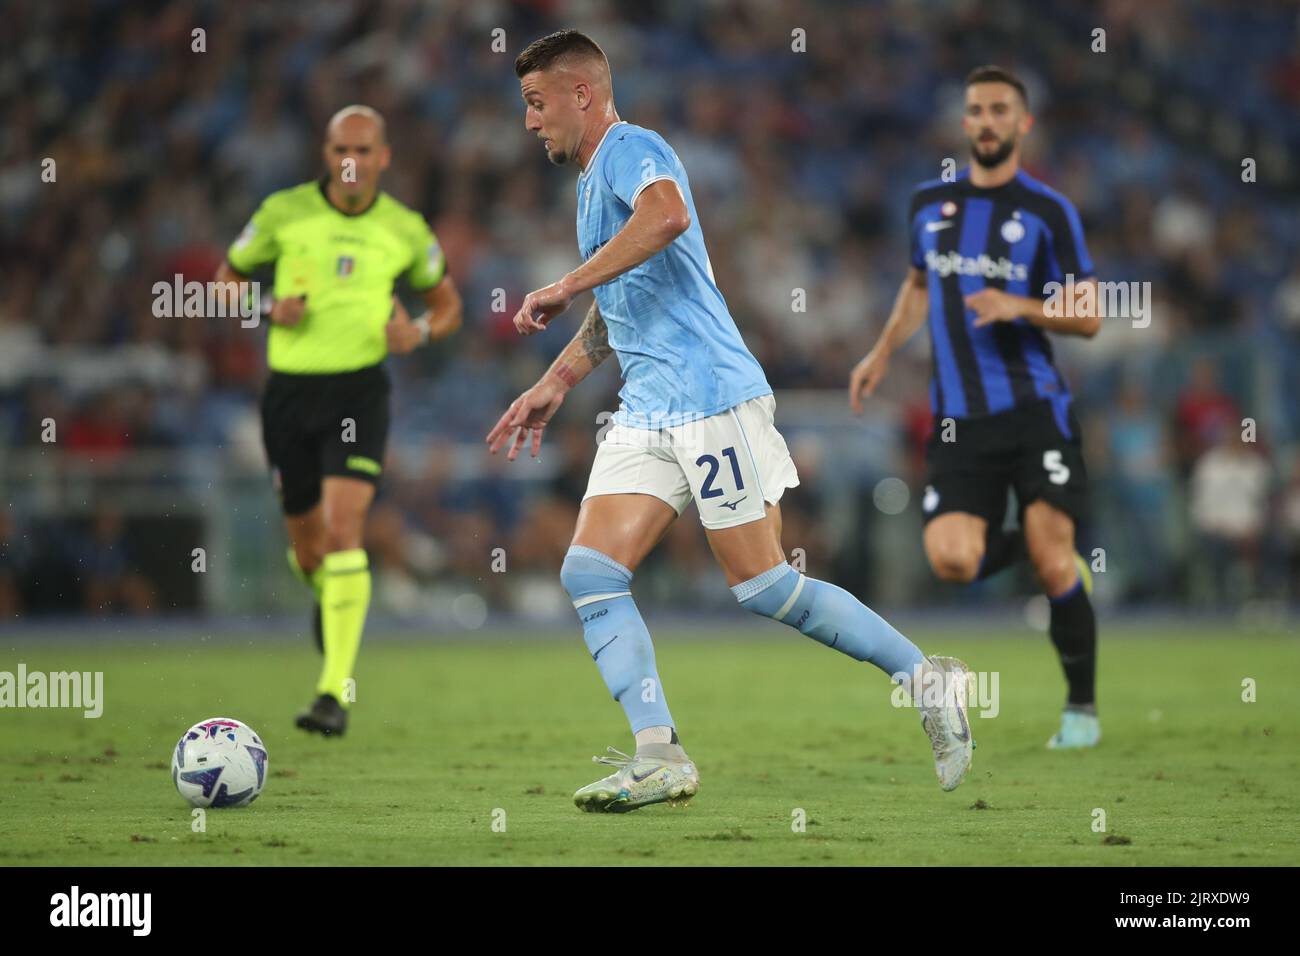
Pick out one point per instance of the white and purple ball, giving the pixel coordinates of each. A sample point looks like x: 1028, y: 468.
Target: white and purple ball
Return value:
x: 218, y: 763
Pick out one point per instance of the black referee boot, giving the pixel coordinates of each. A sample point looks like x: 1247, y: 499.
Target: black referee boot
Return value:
x: 326, y: 717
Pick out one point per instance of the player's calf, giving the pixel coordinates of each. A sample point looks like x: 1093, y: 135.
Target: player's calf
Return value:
x: 834, y: 617
x: 307, y: 566
x: 615, y: 634
x: 660, y: 771
x: 829, y: 615
x: 1073, y: 631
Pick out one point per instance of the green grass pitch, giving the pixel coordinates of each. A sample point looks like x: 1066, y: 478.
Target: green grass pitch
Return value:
x: 449, y: 738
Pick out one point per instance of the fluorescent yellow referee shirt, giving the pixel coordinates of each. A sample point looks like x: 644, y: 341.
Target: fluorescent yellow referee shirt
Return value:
x: 346, y: 265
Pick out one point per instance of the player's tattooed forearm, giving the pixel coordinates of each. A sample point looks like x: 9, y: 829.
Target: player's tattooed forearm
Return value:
x: 595, y: 337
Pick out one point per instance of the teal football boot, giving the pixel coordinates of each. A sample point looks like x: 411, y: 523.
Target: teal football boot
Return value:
x: 1078, y: 729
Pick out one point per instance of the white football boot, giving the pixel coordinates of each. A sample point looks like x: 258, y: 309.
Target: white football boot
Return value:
x: 659, y: 773
x: 943, y: 717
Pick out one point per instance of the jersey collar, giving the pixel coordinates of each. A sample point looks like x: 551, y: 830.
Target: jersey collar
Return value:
x: 324, y: 181
x: 965, y: 181
x: 591, y: 162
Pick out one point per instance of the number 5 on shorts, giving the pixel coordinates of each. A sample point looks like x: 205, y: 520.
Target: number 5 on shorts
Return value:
x: 1058, y: 473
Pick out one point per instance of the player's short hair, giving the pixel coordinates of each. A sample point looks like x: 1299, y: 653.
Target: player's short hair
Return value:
x: 997, y: 74
x: 559, y: 46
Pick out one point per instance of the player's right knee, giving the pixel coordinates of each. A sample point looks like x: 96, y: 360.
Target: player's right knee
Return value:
x: 590, y: 576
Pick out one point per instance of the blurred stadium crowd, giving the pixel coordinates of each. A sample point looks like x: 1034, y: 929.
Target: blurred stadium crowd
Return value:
x: 801, y: 165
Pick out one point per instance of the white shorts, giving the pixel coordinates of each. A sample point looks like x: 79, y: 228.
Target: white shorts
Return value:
x: 731, y: 463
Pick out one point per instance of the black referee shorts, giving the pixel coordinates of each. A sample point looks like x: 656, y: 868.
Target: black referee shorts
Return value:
x: 1024, y: 449
x: 318, y: 425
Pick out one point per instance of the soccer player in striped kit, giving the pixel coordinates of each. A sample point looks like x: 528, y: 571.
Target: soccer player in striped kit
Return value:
x: 986, y: 249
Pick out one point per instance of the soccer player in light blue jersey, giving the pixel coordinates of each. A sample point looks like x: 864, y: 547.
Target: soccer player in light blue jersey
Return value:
x: 695, y: 422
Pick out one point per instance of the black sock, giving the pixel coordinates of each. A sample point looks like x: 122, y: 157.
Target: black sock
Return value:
x: 1001, y: 549
x: 1074, y: 634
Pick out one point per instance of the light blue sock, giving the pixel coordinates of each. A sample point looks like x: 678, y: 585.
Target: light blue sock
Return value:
x: 830, y: 615
x: 615, y: 634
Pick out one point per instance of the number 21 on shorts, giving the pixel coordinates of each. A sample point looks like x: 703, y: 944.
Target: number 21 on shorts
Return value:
x: 707, y: 490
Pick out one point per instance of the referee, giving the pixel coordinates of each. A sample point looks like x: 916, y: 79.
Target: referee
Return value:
x: 338, y: 244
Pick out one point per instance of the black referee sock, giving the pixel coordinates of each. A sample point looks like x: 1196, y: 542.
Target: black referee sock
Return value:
x: 1074, y: 634
x: 1001, y: 549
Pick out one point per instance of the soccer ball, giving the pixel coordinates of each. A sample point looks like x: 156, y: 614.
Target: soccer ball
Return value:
x: 219, y: 763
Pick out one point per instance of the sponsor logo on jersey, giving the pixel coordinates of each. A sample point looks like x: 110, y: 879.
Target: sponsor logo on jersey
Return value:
x: 954, y: 263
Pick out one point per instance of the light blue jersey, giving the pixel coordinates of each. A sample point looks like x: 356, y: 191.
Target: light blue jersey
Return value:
x: 681, y: 356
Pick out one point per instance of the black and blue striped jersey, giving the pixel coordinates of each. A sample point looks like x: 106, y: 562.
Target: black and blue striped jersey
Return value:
x: 1017, y: 237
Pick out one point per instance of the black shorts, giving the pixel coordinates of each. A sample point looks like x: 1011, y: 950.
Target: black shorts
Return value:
x: 318, y: 425
x: 1023, y: 449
